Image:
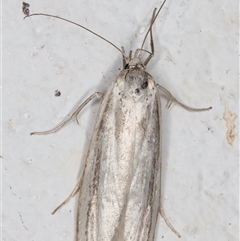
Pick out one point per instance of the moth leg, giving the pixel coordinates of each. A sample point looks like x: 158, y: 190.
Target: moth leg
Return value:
x: 74, y: 115
x: 73, y: 193
x: 173, y: 99
x: 167, y: 221
x: 151, y: 39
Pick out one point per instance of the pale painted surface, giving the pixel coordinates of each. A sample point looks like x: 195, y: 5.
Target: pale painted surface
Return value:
x: 196, y: 44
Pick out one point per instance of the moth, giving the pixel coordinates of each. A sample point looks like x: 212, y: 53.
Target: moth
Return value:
x: 120, y: 187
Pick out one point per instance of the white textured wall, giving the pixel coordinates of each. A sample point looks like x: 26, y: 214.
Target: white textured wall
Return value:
x: 196, y: 45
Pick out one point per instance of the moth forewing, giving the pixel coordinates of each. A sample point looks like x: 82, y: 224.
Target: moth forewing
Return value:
x: 121, y: 180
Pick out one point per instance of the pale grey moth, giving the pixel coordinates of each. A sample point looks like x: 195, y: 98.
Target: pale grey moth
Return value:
x: 120, y: 187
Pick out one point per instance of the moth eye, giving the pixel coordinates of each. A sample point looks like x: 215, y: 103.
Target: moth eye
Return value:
x: 126, y: 66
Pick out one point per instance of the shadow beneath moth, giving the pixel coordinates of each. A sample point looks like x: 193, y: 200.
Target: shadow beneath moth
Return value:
x: 120, y: 187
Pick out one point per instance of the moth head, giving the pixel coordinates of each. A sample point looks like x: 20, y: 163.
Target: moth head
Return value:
x: 134, y: 61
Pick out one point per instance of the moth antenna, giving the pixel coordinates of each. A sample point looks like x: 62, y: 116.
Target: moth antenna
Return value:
x: 79, y: 25
x: 144, y: 40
